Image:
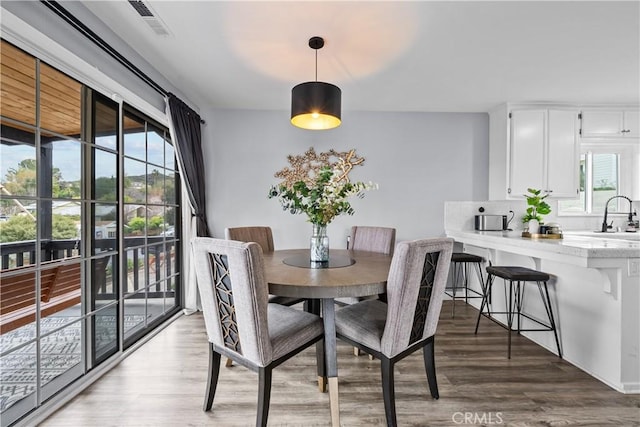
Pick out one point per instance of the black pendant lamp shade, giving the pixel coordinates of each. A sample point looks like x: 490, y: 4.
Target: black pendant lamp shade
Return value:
x: 316, y: 105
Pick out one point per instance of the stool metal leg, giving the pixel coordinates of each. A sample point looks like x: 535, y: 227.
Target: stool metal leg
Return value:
x: 465, y: 268
x: 509, y: 317
x: 484, y: 302
x: 547, y: 305
x: 480, y: 278
x: 519, y: 299
x: 456, y: 274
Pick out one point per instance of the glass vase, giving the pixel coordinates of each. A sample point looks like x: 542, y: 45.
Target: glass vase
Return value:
x: 319, y: 244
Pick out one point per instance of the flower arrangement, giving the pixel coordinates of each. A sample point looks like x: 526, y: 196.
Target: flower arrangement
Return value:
x: 537, y: 207
x: 324, y: 200
x: 318, y: 187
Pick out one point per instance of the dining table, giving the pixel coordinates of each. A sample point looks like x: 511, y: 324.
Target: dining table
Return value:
x: 347, y: 273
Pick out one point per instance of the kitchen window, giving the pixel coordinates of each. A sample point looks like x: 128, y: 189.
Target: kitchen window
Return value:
x: 605, y: 171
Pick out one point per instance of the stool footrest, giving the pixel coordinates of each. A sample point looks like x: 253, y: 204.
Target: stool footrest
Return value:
x: 449, y: 292
x: 533, y: 319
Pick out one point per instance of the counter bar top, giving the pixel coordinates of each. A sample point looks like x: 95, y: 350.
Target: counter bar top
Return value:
x: 572, y: 245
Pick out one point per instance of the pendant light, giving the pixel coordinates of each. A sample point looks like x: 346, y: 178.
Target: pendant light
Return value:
x: 316, y: 105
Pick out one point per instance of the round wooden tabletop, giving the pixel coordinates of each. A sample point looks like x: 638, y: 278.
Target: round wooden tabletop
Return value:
x: 367, y: 276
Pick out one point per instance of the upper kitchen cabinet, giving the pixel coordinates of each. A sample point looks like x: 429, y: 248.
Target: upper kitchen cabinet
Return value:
x: 610, y: 123
x: 533, y: 148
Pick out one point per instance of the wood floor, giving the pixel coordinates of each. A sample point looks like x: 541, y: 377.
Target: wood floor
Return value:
x: 163, y: 384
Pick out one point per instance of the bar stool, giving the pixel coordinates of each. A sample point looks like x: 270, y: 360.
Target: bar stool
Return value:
x: 460, y: 262
x: 516, y: 277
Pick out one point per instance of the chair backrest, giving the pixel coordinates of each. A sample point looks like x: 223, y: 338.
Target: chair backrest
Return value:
x: 373, y: 239
x: 234, y: 296
x: 260, y: 235
x: 415, y: 289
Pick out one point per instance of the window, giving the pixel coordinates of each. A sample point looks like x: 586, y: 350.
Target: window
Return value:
x: 151, y: 213
x: 605, y: 171
x: 66, y: 210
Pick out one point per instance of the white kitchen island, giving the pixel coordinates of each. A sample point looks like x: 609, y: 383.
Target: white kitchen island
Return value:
x: 595, y: 291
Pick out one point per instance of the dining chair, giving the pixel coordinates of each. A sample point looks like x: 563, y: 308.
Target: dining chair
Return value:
x: 240, y: 322
x: 390, y: 332
x: 263, y: 236
x: 370, y: 239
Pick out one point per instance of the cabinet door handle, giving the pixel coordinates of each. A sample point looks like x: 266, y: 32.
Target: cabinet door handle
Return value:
x: 625, y: 131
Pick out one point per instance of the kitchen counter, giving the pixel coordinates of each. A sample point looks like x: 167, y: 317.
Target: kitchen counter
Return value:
x: 573, y: 244
x: 595, y: 289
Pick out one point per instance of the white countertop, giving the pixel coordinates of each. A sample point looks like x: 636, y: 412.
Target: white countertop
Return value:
x: 576, y: 244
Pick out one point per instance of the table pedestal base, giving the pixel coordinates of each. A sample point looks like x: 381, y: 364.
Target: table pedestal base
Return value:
x: 331, y: 358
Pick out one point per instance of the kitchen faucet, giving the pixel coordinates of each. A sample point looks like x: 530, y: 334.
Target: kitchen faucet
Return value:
x: 606, y: 226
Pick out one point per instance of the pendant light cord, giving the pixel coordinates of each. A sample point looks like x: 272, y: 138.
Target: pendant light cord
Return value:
x: 316, y: 64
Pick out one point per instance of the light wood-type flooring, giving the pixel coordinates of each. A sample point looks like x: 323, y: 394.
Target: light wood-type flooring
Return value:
x: 163, y: 383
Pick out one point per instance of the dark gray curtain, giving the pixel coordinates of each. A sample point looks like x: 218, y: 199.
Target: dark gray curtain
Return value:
x: 188, y: 143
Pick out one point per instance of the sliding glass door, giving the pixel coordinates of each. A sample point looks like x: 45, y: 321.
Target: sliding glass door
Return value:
x: 89, y: 230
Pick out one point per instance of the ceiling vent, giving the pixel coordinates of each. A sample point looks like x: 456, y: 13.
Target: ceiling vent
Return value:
x: 155, y: 23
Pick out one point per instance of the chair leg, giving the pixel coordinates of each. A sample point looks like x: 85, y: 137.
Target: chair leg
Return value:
x: 264, y: 395
x: 430, y: 368
x: 480, y: 278
x: 313, y: 306
x: 228, y: 363
x: 519, y: 299
x: 552, y: 321
x: 466, y: 282
x: 509, y: 318
x: 388, y: 391
x: 212, y: 381
x: 456, y: 274
x: 485, y: 301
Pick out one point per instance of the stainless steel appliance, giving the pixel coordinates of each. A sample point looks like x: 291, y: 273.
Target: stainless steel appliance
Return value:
x: 491, y: 222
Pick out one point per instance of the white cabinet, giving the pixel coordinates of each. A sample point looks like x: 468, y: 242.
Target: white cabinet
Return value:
x: 527, y: 151
x: 610, y: 124
x: 536, y: 148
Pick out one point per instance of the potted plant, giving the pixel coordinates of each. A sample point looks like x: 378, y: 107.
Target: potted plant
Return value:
x: 536, y: 209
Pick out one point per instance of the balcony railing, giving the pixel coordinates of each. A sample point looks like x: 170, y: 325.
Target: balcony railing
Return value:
x: 159, y: 264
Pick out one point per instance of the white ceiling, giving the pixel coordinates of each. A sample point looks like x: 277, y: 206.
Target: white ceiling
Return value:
x: 391, y: 56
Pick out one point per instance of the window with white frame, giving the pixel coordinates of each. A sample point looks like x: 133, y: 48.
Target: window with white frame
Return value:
x: 606, y: 170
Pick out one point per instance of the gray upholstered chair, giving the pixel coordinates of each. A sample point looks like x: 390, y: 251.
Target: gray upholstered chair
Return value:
x: 407, y: 323
x: 264, y: 237
x: 240, y: 322
x: 372, y: 239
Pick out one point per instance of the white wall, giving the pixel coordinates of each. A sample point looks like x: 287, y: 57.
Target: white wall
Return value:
x: 419, y: 160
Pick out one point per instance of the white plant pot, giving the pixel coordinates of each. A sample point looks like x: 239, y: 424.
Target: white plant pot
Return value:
x: 534, y: 226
